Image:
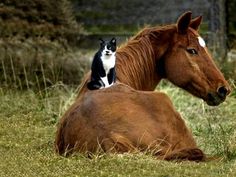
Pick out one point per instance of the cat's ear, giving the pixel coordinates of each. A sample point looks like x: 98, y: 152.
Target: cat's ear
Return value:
x: 113, y: 40
x: 101, y: 41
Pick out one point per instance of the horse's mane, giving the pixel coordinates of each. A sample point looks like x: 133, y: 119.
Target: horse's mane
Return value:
x: 136, y: 59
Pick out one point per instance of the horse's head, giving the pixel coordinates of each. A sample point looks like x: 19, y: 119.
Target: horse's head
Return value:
x: 189, y: 65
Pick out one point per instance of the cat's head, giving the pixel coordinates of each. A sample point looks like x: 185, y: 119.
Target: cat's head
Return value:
x: 108, y: 48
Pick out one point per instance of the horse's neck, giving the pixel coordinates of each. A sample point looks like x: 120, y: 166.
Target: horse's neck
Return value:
x: 136, y: 63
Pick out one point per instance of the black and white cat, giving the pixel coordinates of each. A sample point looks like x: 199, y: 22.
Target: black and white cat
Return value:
x: 103, y: 66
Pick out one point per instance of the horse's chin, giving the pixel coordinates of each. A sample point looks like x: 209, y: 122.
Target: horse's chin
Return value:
x: 214, y: 99
x: 211, y: 98
x: 212, y: 103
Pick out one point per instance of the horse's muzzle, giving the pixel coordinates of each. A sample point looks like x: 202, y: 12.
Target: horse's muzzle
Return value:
x: 215, y: 98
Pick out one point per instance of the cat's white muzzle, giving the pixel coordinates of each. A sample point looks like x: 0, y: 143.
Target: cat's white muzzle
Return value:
x: 108, y: 53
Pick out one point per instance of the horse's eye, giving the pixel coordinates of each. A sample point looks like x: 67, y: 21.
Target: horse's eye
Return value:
x: 192, y: 51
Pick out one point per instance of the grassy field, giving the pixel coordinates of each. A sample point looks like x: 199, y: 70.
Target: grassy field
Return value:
x: 28, y: 124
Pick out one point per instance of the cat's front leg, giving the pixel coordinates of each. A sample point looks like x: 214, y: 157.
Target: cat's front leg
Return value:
x: 111, y: 76
x: 102, y: 85
x: 105, y: 81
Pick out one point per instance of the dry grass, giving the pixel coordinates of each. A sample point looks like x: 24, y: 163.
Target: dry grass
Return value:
x: 37, y: 64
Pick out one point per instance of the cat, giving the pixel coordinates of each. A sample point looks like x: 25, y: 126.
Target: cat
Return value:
x: 103, y: 73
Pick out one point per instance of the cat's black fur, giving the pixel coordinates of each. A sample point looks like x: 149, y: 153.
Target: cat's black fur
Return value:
x: 103, y: 66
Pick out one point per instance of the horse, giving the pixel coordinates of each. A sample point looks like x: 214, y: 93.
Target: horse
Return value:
x: 130, y: 116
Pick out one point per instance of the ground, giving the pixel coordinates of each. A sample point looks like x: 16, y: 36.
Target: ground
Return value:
x: 28, y: 122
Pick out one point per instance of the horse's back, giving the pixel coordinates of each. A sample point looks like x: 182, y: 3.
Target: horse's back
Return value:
x: 122, y: 119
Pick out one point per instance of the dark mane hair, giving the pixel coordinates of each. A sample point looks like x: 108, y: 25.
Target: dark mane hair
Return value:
x: 136, y: 59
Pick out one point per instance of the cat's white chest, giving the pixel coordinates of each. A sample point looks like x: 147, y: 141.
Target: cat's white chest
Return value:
x: 108, y: 62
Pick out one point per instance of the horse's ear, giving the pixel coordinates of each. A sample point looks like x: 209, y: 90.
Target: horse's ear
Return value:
x: 195, y: 23
x: 184, y: 22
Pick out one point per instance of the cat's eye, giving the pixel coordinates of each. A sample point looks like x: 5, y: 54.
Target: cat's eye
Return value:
x: 192, y: 51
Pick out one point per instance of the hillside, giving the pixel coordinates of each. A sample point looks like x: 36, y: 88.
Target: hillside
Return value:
x: 37, y: 38
x: 37, y: 18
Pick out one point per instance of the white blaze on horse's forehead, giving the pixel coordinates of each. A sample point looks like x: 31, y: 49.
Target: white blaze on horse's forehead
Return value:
x: 201, y: 41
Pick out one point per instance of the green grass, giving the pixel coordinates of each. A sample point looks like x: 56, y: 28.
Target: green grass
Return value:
x: 28, y: 124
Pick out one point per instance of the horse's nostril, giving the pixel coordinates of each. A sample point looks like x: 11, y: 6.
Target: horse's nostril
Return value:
x: 222, y: 91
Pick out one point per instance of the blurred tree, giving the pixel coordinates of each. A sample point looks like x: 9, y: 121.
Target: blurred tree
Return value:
x: 37, y: 18
x: 231, y: 9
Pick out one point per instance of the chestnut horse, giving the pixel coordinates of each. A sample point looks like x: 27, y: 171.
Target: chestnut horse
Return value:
x: 129, y: 116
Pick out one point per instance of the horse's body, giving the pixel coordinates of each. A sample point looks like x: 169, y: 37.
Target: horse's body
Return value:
x: 145, y: 121
x: 121, y: 119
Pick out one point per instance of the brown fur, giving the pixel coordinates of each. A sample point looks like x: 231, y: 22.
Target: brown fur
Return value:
x: 123, y: 119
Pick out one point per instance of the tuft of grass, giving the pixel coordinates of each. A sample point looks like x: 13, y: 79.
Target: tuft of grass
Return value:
x: 28, y: 122
x: 37, y: 64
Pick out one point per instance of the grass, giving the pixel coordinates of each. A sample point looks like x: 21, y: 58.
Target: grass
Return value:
x: 38, y: 63
x: 28, y: 123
